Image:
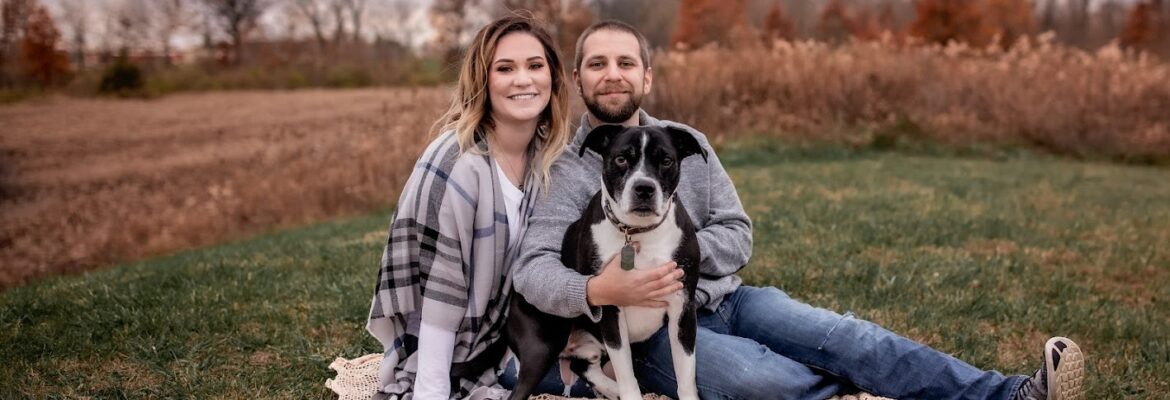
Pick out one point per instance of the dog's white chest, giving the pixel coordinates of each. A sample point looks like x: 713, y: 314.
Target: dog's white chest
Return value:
x: 654, y: 249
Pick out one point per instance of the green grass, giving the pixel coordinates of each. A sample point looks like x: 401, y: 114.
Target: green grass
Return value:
x: 256, y: 319
x: 982, y: 259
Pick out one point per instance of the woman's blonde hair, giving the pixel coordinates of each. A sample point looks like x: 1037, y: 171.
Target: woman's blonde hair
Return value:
x: 468, y: 115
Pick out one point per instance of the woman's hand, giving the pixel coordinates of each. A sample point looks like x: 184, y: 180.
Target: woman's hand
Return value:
x: 618, y: 287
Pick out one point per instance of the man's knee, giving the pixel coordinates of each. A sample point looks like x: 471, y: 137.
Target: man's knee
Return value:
x: 757, y: 374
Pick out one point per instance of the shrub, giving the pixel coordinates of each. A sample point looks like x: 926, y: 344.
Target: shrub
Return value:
x: 348, y: 77
x: 122, y: 78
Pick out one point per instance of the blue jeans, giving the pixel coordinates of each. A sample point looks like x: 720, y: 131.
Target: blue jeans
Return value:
x: 762, y: 344
x: 552, y: 383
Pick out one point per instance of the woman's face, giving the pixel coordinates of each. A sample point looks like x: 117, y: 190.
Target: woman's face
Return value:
x: 519, y: 79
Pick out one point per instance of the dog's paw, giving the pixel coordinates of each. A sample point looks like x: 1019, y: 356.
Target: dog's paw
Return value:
x: 634, y: 395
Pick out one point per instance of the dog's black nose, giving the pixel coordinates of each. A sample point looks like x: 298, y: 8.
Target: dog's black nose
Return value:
x: 644, y: 191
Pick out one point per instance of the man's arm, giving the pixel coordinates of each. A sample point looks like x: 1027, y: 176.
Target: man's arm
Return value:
x: 539, y: 275
x: 725, y: 233
x: 725, y: 240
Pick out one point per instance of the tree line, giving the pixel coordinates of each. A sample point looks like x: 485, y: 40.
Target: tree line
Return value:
x: 46, y: 42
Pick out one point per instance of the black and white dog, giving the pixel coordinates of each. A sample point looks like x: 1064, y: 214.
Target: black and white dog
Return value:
x: 636, y: 207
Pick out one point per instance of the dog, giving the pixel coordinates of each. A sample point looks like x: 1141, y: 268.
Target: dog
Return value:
x: 636, y: 208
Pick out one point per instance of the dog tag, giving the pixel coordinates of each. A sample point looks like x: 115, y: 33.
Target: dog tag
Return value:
x: 628, y: 257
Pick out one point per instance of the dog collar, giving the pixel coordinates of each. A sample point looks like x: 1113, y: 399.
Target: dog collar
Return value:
x: 634, y: 230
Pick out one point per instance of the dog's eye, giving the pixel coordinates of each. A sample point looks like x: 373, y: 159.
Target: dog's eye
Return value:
x: 667, y: 162
x: 620, y: 161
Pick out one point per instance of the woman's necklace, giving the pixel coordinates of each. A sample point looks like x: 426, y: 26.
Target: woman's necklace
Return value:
x: 518, y: 172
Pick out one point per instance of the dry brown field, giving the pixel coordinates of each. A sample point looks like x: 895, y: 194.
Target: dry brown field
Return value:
x: 88, y: 182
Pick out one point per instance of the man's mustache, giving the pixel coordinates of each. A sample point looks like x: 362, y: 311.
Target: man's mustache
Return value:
x: 608, y: 89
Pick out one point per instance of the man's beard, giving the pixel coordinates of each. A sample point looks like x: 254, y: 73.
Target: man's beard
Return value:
x: 612, y: 116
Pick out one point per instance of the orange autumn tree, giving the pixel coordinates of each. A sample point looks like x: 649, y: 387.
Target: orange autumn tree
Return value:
x: 707, y: 21
x: 1142, y: 27
x: 837, y: 23
x: 777, y: 24
x: 573, y: 20
x: 943, y: 21
x: 42, y: 62
x: 865, y: 25
x: 834, y: 24
x: 1010, y: 19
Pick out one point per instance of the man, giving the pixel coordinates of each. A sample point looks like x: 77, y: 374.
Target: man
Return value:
x: 754, y: 343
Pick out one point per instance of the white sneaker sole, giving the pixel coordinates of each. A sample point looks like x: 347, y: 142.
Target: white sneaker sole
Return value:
x: 1065, y: 364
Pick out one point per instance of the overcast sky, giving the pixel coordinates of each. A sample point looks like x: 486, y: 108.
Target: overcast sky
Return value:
x: 381, y: 18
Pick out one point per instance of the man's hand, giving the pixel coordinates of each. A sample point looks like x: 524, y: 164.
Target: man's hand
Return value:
x: 618, y: 287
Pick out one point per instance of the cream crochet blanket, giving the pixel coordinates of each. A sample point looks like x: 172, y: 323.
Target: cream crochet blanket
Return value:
x: 357, y: 379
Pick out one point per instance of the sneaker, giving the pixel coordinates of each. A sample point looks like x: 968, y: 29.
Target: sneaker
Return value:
x: 1061, y: 376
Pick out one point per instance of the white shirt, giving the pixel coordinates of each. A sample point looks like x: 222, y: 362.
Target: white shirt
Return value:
x: 513, y: 196
x: 433, y: 380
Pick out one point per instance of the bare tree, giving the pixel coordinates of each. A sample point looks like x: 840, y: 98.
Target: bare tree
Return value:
x: 75, y: 17
x: 544, y: 10
x: 313, y: 11
x: 129, y: 24
x: 238, y: 18
x: 1164, y: 24
x: 1079, y: 21
x: 13, y: 18
x: 172, y: 16
x: 207, y: 28
x: 449, y: 19
x: 1110, y: 16
x: 393, y: 18
x: 337, y: 7
x: 357, y: 9
x: 1048, y: 16
x: 655, y: 18
x: 803, y: 15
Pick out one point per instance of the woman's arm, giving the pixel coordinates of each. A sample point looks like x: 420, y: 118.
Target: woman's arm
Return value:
x: 433, y: 380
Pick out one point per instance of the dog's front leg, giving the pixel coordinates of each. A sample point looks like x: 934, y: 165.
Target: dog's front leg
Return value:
x: 682, y: 329
x: 616, y: 334
x: 586, y: 354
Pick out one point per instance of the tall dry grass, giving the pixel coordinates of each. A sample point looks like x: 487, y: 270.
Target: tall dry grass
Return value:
x: 1106, y: 103
x: 90, y: 182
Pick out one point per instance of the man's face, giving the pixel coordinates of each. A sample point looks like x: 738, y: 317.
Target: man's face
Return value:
x: 611, y: 77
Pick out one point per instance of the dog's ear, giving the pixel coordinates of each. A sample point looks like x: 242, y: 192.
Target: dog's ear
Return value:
x: 599, y: 138
x: 685, y: 143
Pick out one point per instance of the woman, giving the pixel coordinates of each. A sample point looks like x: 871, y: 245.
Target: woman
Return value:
x: 444, y: 278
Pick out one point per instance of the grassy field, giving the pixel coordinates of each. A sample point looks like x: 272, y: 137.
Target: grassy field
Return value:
x: 124, y: 180
x: 980, y: 258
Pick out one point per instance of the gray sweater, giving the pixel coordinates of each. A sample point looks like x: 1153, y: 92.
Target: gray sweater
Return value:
x: 725, y: 232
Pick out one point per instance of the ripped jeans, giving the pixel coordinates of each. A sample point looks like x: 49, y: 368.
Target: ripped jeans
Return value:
x: 762, y: 344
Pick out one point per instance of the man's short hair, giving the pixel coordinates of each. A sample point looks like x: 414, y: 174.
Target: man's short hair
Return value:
x: 613, y: 25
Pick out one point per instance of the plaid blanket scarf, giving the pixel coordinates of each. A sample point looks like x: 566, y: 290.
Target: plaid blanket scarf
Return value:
x: 447, y: 253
